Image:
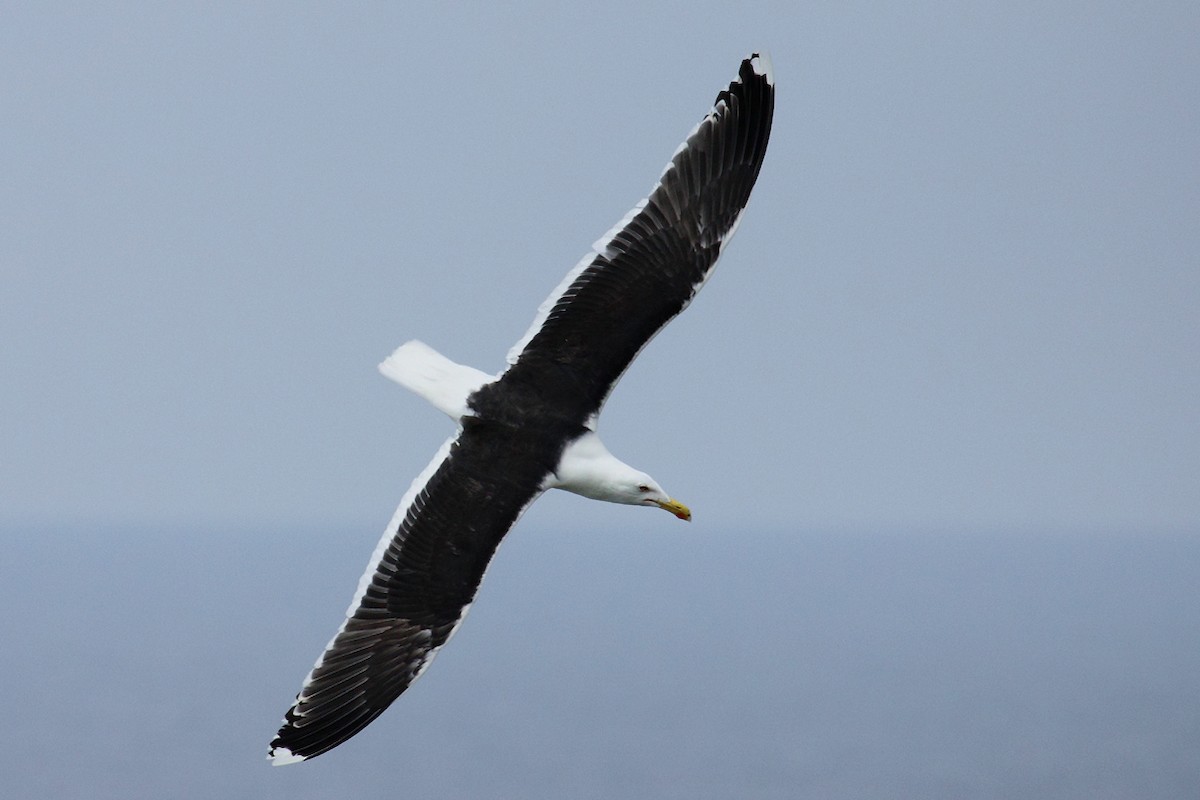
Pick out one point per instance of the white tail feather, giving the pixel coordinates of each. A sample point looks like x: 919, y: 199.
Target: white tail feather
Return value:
x: 424, y: 371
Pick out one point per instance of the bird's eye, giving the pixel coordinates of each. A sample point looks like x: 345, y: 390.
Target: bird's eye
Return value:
x: 643, y: 488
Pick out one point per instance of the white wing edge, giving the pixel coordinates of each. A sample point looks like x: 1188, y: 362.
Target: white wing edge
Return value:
x: 761, y: 64
x: 281, y: 756
x: 389, y: 532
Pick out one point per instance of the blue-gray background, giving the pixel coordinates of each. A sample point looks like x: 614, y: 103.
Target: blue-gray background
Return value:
x: 938, y: 412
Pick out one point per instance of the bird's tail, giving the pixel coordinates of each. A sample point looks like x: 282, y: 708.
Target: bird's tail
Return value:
x: 424, y: 371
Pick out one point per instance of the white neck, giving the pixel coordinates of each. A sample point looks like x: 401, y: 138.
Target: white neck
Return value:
x: 588, y: 469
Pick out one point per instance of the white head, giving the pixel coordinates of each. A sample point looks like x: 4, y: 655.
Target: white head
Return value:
x: 642, y: 490
x: 587, y: 468
x: 632, y: 487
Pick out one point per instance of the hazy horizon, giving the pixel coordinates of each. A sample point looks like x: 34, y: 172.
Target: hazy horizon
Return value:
x: 937, y: 413
x: 633, y: 662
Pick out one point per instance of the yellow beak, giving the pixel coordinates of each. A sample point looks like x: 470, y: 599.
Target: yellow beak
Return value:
x: 677, y: 508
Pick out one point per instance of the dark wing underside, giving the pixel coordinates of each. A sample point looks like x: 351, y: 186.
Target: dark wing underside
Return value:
x: 417, y: 588
x: 652, y: 264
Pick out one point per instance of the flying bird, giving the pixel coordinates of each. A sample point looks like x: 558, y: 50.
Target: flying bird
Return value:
x: 532, y: 427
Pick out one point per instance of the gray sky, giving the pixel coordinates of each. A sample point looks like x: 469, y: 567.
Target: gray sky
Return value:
x: 964, y: 297
x: 965, y: 292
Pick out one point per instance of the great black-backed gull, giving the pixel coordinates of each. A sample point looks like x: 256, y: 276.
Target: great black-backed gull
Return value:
x: 533, y: 426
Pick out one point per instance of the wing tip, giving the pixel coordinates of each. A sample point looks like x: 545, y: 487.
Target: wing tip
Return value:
x: 760, y: 63
x: 282, y: 756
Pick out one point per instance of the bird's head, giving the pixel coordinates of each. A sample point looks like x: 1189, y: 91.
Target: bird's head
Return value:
x: 642, y: 490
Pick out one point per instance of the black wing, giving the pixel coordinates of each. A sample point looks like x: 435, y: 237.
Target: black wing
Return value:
x: 418, y: 586
x: 654, y: 261
x: 430, y: 563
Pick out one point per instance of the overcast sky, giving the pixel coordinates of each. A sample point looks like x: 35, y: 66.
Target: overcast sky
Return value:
x: 965, y: 293
x: 964, y: 297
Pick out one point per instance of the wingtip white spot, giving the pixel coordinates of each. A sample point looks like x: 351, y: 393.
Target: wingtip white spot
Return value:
x: 281, y: 757
x: 761, y: 64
